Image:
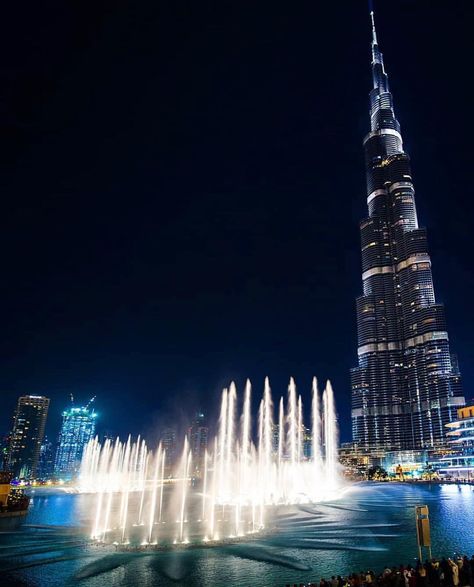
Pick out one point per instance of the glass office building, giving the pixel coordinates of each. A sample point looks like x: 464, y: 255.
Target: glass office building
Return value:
x: 29, y: 422
x: 77, y: 428
x: 407, y: 385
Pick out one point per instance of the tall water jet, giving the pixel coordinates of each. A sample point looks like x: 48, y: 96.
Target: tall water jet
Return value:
x: 246, y: 440
x: 242, y: 478
x: 142, y: 464
x: 281, y: 431
x: 292, y: 421
x: 330, y: 433
x: 126, y: 489
x: 185, y: 463
x: 267, y: 425
x: 229, y: 448
x: 300, y: 429
x: 204, y: 488
x: 222, y: 439
x: 162, y: 484
x: 151, y: 519
x: 316, y: 428
x: 212, y: 505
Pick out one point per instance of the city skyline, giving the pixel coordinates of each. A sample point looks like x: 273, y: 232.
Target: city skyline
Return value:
x: 237, y: 276
x: 208, y: 230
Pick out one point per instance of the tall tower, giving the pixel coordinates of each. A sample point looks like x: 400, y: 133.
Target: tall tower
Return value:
x: 27, y: 435
x: 198, y: 434
x: 407, y: 385
x: 77, y: 428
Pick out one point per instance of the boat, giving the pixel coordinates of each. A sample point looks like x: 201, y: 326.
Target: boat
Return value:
x: 13, y: 503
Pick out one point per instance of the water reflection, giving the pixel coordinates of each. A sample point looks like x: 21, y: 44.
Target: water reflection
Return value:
x: 370, y: 526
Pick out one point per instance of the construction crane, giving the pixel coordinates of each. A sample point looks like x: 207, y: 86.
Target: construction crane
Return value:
x: 90, y: 401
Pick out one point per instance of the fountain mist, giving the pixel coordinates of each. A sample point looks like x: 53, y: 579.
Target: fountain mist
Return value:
x: 240, y: 481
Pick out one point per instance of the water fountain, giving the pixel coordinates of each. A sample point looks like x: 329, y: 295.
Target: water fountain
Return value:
x: 241, y: 483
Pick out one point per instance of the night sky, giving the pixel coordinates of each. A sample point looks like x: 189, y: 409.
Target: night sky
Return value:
x: 182, y: 184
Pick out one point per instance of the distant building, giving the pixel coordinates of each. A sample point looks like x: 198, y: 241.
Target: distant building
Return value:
x: 275, y: 439
x: 29, y: 422
x: 357, y: 460
x: 168, y: 443
x: 307, y: 443
x: 4, y: 450
x: 198, y: 434
x: 46, y: 460
x: 77, y: 428
x: 460, y: 437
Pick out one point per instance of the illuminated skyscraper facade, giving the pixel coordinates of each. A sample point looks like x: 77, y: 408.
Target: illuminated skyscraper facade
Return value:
x: 168, y: 439
x: 198, y: 434
x: 46, y: 459
x: 407, y: 385
x: 29, y: 422
x: 77, y: 428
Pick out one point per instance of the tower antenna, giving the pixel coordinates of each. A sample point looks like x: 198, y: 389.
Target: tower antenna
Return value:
x: 372, y: 20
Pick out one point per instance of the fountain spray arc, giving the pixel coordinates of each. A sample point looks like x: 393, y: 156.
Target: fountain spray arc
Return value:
x: 288, y: 463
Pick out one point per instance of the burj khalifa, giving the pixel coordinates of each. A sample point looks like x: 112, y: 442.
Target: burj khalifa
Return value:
x: 407, y: 384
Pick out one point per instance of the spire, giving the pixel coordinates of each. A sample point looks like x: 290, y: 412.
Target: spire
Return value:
x: 378, y: 70
x: 374, y: 32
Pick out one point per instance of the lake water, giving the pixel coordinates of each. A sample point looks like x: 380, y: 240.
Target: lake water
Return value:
x: 370, y: 526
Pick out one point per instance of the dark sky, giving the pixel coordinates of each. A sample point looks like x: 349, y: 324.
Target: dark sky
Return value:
x: 182, y: 184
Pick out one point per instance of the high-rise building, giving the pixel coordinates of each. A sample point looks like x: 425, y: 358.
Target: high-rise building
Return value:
x: 46, y: 460
x: 407, y: 385
x: 27, y: 434
x: 77, y: 428
x: 460, y: 463
x: 198, y: 434
x: 4, y: 450
x: 169, y: 444
x: 307, y: 443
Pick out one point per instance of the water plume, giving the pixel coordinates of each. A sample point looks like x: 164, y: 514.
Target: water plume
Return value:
x: 241, y: 480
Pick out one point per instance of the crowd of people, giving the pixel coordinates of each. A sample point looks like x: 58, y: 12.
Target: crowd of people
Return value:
x: 445, y: 572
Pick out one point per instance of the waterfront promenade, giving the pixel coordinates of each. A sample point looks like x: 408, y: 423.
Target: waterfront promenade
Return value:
x: 445, y: 572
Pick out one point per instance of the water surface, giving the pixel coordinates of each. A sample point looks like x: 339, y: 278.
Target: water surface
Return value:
x: 370, y: 526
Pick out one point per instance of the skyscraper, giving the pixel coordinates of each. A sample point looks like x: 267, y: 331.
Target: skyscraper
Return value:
x: 169, y: 444
x: 46, y: 459
x: 407, y: 385
x: 77, y: 428
x: 29, y: 422
x: 198, y: 434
